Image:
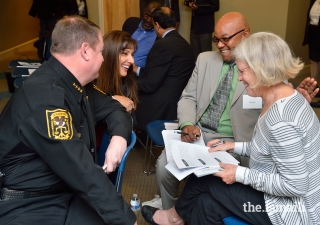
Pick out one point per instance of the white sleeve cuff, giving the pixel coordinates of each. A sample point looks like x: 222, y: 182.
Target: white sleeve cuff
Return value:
x: 238, y: 148
x: 240, y: 172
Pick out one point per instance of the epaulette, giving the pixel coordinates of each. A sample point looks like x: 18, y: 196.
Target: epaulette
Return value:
x: 98, y: 89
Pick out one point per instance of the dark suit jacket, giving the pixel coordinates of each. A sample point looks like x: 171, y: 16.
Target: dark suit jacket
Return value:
x: 174, y: 7
x: 203, y: 18
x: 169, y: 66
x: 306, y: 34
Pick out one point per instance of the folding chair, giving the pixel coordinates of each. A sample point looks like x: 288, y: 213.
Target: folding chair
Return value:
x: 153, y: 130
x: 15, y: 63
x: 18, y: 82
x: 234, y: 220
x: 101, y: 157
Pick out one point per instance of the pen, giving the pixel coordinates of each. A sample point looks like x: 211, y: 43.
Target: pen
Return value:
x: 216, y: 144
x: 179, y: 132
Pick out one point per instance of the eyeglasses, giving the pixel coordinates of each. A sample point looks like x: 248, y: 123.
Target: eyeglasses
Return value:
x: 242, y: 70
x: 226, y: 39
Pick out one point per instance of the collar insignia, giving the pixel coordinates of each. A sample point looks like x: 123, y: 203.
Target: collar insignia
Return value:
x: 98, y: 89
x: 77, y: 87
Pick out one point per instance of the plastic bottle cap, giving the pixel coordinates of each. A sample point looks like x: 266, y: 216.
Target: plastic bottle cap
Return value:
x: 135, y: 195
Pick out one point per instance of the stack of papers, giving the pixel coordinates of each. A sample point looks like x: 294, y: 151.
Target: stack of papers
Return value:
x: 171, y: 126
x: 29, y: 65
x: 186, y: 158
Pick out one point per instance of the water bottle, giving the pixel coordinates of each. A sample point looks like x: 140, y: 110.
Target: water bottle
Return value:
x: 135, y: 203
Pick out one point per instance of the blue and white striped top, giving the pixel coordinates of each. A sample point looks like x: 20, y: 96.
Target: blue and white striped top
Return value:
x: 285, y: 161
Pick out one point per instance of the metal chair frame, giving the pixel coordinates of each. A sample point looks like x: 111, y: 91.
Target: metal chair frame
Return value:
x: 101, y: 157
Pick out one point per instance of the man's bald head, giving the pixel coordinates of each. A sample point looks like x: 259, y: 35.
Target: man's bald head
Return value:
x: 233, y: 20
x: 229, y: 31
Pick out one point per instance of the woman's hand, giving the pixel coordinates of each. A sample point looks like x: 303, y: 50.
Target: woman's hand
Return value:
x: 126, y: 102
x: 226, y: 146
x: 228, y: 174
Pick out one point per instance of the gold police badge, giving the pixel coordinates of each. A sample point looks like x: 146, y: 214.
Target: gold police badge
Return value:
x: 59, y: 124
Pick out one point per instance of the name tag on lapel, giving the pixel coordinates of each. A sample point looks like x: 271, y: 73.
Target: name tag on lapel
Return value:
x: 252, y: 102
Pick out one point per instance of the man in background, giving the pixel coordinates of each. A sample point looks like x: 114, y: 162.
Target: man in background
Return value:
x: 142, y: 31
x: 49, y: 12
x: 202, y: 24
x: 172, y: 4
x: 168, y: 68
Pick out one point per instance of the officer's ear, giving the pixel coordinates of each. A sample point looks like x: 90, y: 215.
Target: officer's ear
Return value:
x: 84, y: 51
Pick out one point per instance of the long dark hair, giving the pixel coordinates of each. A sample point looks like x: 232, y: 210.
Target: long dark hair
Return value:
x: 110, y: 81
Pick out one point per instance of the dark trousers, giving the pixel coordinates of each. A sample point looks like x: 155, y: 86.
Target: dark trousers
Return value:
x: 200, y: 43
x: 207, y: 200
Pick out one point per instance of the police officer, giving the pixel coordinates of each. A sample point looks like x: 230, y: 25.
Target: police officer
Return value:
x: 47, y: 138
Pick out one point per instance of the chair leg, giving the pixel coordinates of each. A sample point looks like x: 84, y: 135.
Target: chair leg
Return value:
x: 145, y: 156
x: 151, y: 154
x: 118, y: 181
x: 147, y: 164
x: 144, y: 146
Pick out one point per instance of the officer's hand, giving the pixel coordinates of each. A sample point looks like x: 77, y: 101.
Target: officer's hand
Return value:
x: 193, y: 133
x: 114, y: 153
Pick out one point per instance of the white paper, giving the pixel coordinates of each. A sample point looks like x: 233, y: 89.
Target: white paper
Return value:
x: 31, y: 71
x: 179, y: 173
x: 207, y: 171
x: 252, y: 102
x: 169, y: 135
x: 187, y: 155
x: 29, y: 65
x: 171, y: 126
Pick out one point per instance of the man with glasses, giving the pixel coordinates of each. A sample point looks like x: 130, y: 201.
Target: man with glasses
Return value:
x: 142, y: 31
x: 199, y: 103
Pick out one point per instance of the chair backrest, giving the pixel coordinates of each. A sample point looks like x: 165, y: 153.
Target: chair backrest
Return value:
x: 234, y: 220
x: 101, y: 157
x: 154, y: 130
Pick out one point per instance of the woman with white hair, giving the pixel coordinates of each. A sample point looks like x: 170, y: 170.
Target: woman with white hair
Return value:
x: 282, y: 185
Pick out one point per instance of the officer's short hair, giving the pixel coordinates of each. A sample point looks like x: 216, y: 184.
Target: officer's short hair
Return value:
x: 71, y: 32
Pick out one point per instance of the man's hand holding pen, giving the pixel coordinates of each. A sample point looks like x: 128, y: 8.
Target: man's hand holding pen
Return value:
x: 190, y: 133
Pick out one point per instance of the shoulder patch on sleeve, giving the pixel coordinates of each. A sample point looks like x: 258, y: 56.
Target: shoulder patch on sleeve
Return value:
x: 59, y: 124
x: 98, y: 89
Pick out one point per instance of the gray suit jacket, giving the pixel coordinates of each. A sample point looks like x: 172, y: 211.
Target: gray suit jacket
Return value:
x: 199, y: 91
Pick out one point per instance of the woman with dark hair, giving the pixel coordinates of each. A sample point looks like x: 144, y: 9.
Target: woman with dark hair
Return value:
x: 116, y: 76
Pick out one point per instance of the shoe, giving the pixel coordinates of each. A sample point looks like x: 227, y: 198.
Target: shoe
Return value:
x: 156, y: 202
x: 147, y: 213
x: 315, y: 104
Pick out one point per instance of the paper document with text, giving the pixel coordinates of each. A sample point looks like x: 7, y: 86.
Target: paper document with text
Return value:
x: 169, y: 135
x: 187, y: 155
